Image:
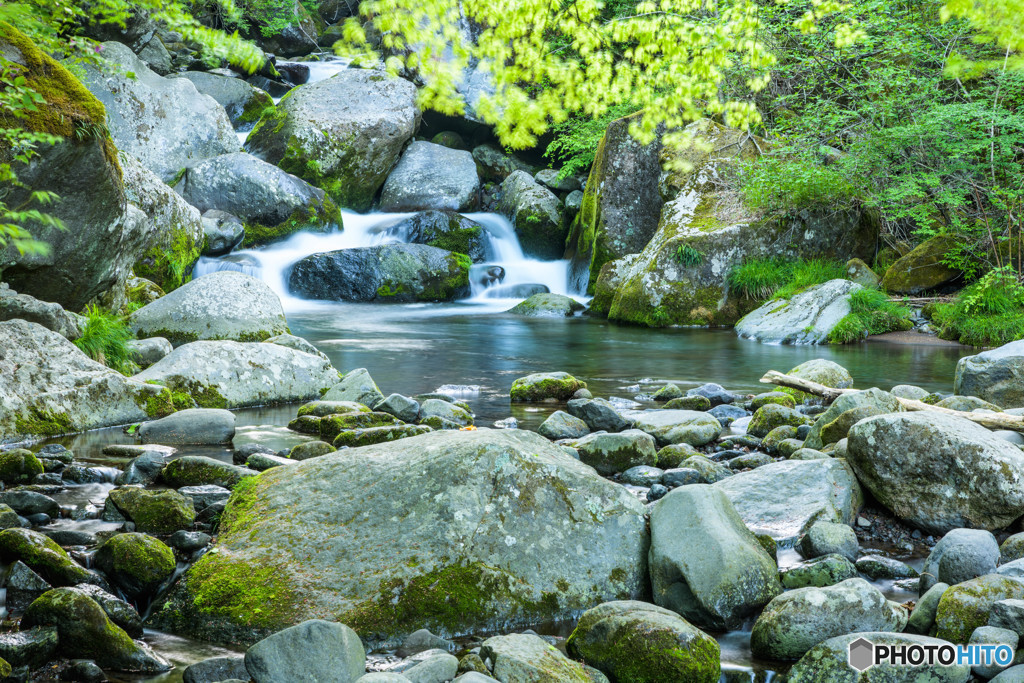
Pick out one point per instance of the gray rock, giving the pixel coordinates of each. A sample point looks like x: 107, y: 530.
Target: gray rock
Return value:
x: 198, y: 470
x: 452, y: 232
x: 824, y: 538
x: 880, y: 567
x: 612, y: 453
x: 704, y: 562
x: 223, y: 232
x: 146, y: 352
x: 922, y: 619
x: 188, y: 541
x: 960, y: 555
x: 434, y: 408
x: 550, y: 179
x: 50, y: 387
x: 938, y: 472
x: 264, y: 461
x: 785, y: 498
x: 438, y: 668
x: 404, y: 408
x: 642, y: 475
x: 967, y: 605
x: 290, y: 341
x: 992, y: 635
x: 216, y: 669
x: 521, y: 658
x: 1008, y: 614
x: 515, y: 494
x: 32, y: 647
x: 30, y: 502
x: 205, y: 495
x: 599, y: 414
x: 996, y: 375
x: 808, y: 318
x: 242, y: 102
x: 165, y: 123
x: 23, y: 587
x: 382, y: 273
x: 536, y: 214
x: 227, y: 374
x: 430, y: 176
x: 222, y: 305
x: 119, y: 611
x: 50, y: 315
x: 826, y: 570
x: 356, y: 386
x: 1015, y: 674
x: 383, y: 677
x: 344, y: 133
x: 192, y: 426
x: 796, y: 621
x: 678, y: 426
x: 909, y: 391
x: 710, y: 472
x: 562, y: 425
x: 547, y: 305
x: 828, y: 662
x: 311, y: 449
x: 825, y: 431
x: 286, y: 655
x: 495, y: 165
x: 422, y: 640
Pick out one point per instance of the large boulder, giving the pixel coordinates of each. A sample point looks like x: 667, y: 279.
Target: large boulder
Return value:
x: 680, y: 276
x: 343, y: 134
x: 271, y: 203
x: 959, y: 556
x: 338, y: 656
x: 466, y: 564
x: 621, y: 205
x: 430, y: 176
x: 797, y: 620
x: 225, y: 374
x: 536, y: 214
x: 692, y: 427
x: 937, y: 471
x: 923, y: 268
x: 383, y: 273
x: 829, y: 662
x: 704, y: 562
x: 165, y: 123
x: 95, y: 252
x: 222, y: 305
x: 243, y: 103
x: 49, y: 387
x: 30, y: 309
x: 43, y: 556
x: 783, y: 499
x: 834, y: 424
x: 193, y: 426
x: 966, y: 606
x: 637, y: 641
x: 808, y: 318
x: 445, y: 230
x: 136, y: 563
x: 996, y: 375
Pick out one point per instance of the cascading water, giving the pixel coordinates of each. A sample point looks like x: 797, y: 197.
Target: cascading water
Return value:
x: 514, y: 275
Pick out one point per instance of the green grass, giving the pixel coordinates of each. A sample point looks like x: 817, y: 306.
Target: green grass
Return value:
x: 105, y: 339
x: 781, y: 278
x: 871, y: 312
x: 988, y: 313
x: 782, y: 184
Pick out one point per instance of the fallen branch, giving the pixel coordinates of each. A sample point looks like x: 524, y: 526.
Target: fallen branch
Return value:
x: 989, y: 420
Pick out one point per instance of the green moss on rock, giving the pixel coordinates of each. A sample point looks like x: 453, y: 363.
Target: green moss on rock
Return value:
x: 42, y: 555
x: 137, y: 563
x: 19, y: 466
x: 157, y: 512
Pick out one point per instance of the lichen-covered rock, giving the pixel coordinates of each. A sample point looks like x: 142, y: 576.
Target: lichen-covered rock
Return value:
x: 434, y: 409
x: 996, y: 375
x: 446, y: 230
x: 797, y: 620
x: 613, y: 453
x: 332, y: 425
x: 678, y: 426
x: 547, y: 305
x: 599, y: 414
x: 463, y: 565
x: 807, y: 318
x: 137, y: 563
x: 640, y: 642
x: 164, y: 123
x: 227, y: 374
x: 704, y: 562
x: 540, y: 386
x: 49, y: 387
x: 939, y: 472
x: 783, y: 499
x: 343, y: 134
x: 222, y: 305
x: 536, y: 214
x: 271, y: 203
x: 829, y: 662
x: 522, y: 658
x: 243, y: 103
x: 621, y: 205
x: 831, y: 427
x: 923, y: 268
x: 85, y: 632
x: 154, y: 512
x: 966, y: 606
x: 43, y: 556
x: 430, y: 176
x: 382, y: 273
x: 825, y: 538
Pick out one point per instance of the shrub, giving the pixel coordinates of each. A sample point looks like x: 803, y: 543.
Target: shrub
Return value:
x: 988, y: 313
x: 871, y: 312
x: 105, y: 339
x: 783, y: 184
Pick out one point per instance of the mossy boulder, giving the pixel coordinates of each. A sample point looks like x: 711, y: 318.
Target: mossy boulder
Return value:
x: 877, y: 401
x: 137, y: 563
x: 808, y: 317
x: 332, y: 425
x: 154, y: 512
x: 19, y: 466
x: 547, y: 305
x: 822, y: 371
x: 325, y: 407
x: 356, y: 387
x: 691, y: 427
x: 43, y: 556
x: 199, y: 470
x: 354, y: 438
x: 85, y: 632
x: 527, y: 657
x: 861, y: 273
x: 826, y: 570
x: 385, y: 273
x: 922, y: 269
x: 243, y: 103
x: 966, y: 606
x: 614, y: 453
x: 829, y: 662
x: 536, y: 214
x: 772, y: 415
x: 541, y: 386
x: 779, y: 397
x: 343, y: 134
x: 446, y: 230
x: 637, y: 641
x: 286, y: 554
x: 996, y: 375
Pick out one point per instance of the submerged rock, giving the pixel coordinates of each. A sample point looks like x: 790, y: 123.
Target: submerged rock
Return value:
x: 547, y: 306
x: 464, y: 564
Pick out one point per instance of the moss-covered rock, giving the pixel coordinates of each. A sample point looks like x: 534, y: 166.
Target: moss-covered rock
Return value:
x: 922, y: 269
x: 354, y: 438
x: 325, y: 408
x: 822, y: 371
x: 526, y: 657
x: 829, y: 662
x: 547, y: 305
x: 43, y: 556
x: 137, y: 563
x: 19, y: 466
x: 155, y: 512
x: 637, y: 641
x: 966, y: 606
x: 446, y: 230
x: 536, y: 214
x: 540, y: 386
x: 332, y: 425
x: 772, y: 415
x: 779, y: 397
x: 613, y: 453
x: 198, y: 470
x: 826, y: 570
x: 86, y: 632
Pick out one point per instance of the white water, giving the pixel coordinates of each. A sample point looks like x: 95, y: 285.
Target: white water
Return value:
x: 363, y: 230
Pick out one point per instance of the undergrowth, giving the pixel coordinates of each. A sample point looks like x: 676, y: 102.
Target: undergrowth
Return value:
x: 871, y: 312
x: 781, y: 278
x: 988, y: 313
x: 105, y: 339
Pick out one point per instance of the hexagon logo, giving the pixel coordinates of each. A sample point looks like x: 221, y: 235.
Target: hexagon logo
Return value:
x: 862, y: 654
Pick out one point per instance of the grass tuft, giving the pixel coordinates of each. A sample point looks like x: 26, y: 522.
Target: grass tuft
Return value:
x: 988, y: 313
x: 781, y: 278
x: 105, y: 339
x: 871, y: 312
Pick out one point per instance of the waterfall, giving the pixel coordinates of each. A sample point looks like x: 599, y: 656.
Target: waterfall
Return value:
x: 506, y: 278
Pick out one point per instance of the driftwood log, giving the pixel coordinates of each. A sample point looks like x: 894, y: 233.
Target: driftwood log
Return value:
x: 989, y: 420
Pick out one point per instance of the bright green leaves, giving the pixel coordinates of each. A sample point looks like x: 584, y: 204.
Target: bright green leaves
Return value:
x: 1000, y: 22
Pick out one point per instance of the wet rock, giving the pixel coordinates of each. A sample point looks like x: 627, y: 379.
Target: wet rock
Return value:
x: 136, y: 563
x: 216, y: 669
x: 203, y: 426
x: 355, y: 438
x: 825, y: 538
x: 562, y: 425
x: 402, y: 407
x: 520, y: 658
x: 637, y: 641
x: 27, y: 503
x: 430, y: 176
x: 536, y: 213
x: 224, y: 232
x: 357, y: 386
x: 678, y: 426
x: 197, y: 470
x: 612, y: 453
x: 938, y: 472
x: 120, y: 612
x: 796, y: 621
x: 23, y: 587
x: 828, y: 662
x: 540, y: 386
x: 715, y: 393
x: 158, y: 512
x: 188, y: 541
x: 547, y: 305
x: 966, y: 606
x: 996, y: 375
x: 203, y: 496
x: 727, y: 414
x: 452, y: 232
x: 143, y: 469
x: 263, y: 461
x: 826, y: 570
x: 704, y: 562
x: 599, y: 414
x: 339, y: 655
x: 30, y: 647
x: 43, y: 556
x: 880, y: 567
x: 960, y: 555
